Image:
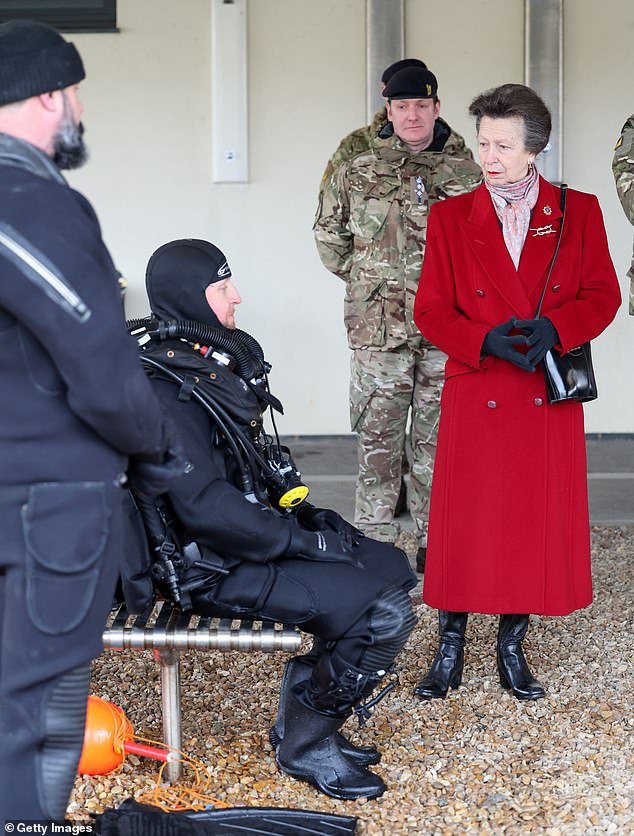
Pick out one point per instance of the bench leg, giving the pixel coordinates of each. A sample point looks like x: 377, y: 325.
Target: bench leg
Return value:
x: 169, y: 661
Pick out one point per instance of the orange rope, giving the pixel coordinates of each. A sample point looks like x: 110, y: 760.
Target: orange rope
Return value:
x: 168, y: 799
x: 119, y: 719
x: 193, y: 797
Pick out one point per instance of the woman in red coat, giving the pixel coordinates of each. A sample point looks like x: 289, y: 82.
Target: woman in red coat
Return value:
x: 509, y: 530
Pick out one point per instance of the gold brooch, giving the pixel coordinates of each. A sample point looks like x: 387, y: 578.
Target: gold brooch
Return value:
x: 543, y: 230
x: 547, y: 210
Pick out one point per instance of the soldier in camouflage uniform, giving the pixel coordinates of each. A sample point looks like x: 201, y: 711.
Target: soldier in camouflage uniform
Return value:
x: 355, y: 143
x: 358, y: 142
x: 370, y: 231
x: 623, y: 169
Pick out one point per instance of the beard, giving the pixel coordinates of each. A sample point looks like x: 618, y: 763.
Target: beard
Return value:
x: 69, y: 148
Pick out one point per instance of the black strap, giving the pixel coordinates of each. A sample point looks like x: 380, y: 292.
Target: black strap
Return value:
x: 562, y: 204
x: 187, y: 387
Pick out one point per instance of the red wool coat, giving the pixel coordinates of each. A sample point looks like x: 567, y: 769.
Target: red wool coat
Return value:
x: 508, y: 525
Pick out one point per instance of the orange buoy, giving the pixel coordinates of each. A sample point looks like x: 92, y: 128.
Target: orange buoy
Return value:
x: 108, y: 736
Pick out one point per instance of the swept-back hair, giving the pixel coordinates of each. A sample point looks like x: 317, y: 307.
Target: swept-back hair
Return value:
x: 516, y: 100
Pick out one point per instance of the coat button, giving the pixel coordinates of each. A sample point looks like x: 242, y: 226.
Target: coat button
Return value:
x: 556, y: 288
x: 491, y: 404
x: 538, y: 402
x: 480, y: 292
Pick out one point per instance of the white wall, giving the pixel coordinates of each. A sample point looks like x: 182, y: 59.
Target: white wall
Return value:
x: 598, y: 98
x: 148, y: 120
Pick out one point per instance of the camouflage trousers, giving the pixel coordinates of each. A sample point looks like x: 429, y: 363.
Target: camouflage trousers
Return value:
x: 388, y: 388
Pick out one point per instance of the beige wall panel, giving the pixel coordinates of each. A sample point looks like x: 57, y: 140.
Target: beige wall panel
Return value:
x: 147, y: 124
x: 306, y: 89
x: 470, y: 45
x: 598, y: 98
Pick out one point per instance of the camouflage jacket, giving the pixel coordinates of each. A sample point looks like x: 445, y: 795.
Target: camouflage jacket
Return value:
x: 370, y: 230
x: 355, y: 143
x: 623, y: 169
x: 361, y: 140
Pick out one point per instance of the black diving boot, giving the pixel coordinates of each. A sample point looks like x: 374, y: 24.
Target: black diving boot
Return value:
x: 446, y: 669
x: 297, y: 670
x: 512, y: 665
x: 309, y: 751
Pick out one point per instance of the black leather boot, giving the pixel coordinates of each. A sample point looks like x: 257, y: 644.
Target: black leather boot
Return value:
x: 512, y: 665
x: 421, y: 559
x: 297, y: 670
x: 446, y: 669
x: 309, y: 751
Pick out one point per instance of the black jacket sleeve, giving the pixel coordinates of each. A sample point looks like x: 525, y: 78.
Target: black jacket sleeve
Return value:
x: 213, y: 511
x: 60, y: 285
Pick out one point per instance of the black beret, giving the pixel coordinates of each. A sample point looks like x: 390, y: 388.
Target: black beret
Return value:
x: 388, y: 72
x: 411, y: 83
x: 34, y: 59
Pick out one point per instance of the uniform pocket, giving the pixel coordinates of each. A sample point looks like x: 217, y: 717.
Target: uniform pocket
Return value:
x: 65, y: 527
x: 361, y: 390
x: 364, y: 312
x: 370, y: 203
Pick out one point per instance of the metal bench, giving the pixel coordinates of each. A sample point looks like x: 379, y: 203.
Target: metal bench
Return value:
x: 168, y: 631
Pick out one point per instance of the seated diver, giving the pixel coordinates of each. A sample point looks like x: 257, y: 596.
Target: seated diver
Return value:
x: 260, y: 549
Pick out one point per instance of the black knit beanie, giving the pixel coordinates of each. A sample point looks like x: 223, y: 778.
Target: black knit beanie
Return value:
x: 35, y: 59
x: 177, y: 276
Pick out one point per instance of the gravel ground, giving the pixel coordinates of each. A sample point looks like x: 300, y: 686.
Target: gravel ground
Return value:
x: 478, y: 762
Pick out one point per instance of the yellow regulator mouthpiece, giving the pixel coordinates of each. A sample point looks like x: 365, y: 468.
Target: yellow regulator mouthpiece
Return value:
x: 293, y: 497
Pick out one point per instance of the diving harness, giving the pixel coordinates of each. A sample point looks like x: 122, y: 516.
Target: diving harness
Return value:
x: 226, y: 374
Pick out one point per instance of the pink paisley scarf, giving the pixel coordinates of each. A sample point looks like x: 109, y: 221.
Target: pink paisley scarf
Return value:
x: 513, y: 205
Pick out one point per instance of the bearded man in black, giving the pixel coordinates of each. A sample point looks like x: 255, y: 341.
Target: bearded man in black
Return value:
x: 77, y: 413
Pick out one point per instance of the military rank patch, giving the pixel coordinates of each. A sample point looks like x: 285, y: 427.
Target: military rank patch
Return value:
x: 623, y: 147
x: 418, y: 189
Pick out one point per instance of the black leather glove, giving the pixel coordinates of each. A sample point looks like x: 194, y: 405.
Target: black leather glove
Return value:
x: 542, y: 336
x: 326, y: 546
x: 498, y: 343
x: 323, y: 519
x: 150, y: 477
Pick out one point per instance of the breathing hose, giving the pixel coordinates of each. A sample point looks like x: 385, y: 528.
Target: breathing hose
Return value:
x: 242, y: 346
x: 247, y: 484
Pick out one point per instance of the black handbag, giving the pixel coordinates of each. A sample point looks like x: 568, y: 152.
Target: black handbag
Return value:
x: 570, y: 376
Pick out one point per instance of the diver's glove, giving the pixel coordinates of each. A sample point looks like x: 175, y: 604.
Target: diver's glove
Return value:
x: 498, y: 343
x: 150, y: 476
x: 326, y: 546
x: 323, y: 519
x: 542, y: 336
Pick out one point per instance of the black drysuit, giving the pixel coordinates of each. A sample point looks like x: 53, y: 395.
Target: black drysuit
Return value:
x: 266, y: 578
x: 75, y: 405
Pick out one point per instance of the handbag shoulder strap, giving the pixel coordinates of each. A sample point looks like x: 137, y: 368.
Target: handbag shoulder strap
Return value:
x: 562, y: 205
